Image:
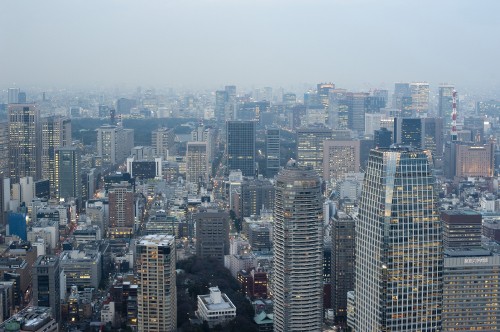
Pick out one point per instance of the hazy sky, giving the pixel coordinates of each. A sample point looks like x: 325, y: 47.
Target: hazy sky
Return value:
x: 210, y: 43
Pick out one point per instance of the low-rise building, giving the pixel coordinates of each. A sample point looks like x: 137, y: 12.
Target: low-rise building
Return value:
x: 215, y: 308
x: 32, y: 319
x: 82, y: 268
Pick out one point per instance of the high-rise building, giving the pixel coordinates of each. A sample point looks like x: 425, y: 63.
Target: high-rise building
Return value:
x: 68, y: 182
x: 24, y: 141
x: 340, y: 158
x: 220, y: 104
x: 419, y: 97
x: 212, y: 233
x: 408, y: 131
x: 273, y: 146
x: 382, y: 138
x: 433, y: 137
x: 4, y: 149
x: 445, y: 103
x: 163, y: 140
x: 399, y: 255
x: 474, y: 159
x: 240, y: 146
x: 157, y: 294
x: 124, y: 105
x: 310, y: 146
x: 471, y: 291
x: 13, y: 96
x: 461, y: 229
x: 343, y: 258
x: 56, y: 133
x: 114, y: 144
x: 198, y: 167
x: 356, y: 110
x: 47, y: 284
x: 121, y: 210
x: 256, y: 194
x: 298, y: 250
x: 401, y: 90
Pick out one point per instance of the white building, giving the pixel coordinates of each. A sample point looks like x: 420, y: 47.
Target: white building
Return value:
x: 215, y: 308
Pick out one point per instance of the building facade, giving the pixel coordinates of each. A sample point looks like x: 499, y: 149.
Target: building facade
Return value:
x: 157, y: 294
x: 240, y: 146
x: 399, y: 258
x: 298, y: 251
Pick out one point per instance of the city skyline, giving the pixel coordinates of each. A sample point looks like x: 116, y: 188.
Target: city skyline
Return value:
x: 206, y: 44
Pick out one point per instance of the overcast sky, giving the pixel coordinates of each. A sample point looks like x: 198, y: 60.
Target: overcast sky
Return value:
x: 210, y: 43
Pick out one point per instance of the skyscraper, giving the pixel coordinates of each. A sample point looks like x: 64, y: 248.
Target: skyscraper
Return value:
x: 163, y: 140
x: 399, y: 257
x: 445, y: 103
x: 24, y: 141
x: 197, y: 166
x: 310, y: 146
x: 273, y: 145
x: 298, y: 251
x: 121, y: 210
x: 68, y: 182
x: 56, y: 133
x: 240, y: 146
x: 157, y: 294
x: 408, y: 131
x: 212, y: 232
x: 401, y: 90
x: 114, y: 144
x: 339, y: 158
x: 356, y: 110
x: 419, y: 97
x: 47, y: 284
x: 13, y: 96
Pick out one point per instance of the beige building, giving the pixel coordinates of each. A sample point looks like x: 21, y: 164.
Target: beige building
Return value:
x: 474, y: 160
x: 340, y: 158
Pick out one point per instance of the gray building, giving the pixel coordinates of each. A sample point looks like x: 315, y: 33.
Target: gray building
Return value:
x: 212, y: 232
x: 343, y: 258
x: 273, y: 145
x: 256, y: 194
x: 240, y: 146
x: 47, y: 284
x: 310, y: 146
x: 82, y: 268
x: 68, y: 182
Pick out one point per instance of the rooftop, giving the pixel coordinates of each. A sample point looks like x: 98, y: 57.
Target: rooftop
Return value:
x: 156, y: 240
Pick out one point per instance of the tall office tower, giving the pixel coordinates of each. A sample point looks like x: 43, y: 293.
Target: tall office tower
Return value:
x: 445, y: 103
x: 208, y: 135
x: 273, y: 155
x: 433, y: 137
x: 310, y: 146
x: 298, y: 250
x: 13, y: 96
x: 24, y: 141
x: 408, y: 131
x: 289, y: 99
x: 230, y: 105
x: 399, y: 257
x: 382, y: 138
x: 343, y: 258
x: 114, y: 144
x: 198, y: 168
x: 338, y: 111
x: 68, y: 181
x: 401, y: 90
x: 4, y: 148
x: 121, y: 210
x: 356, y: 110
x: 340, y: 158
x: 56, y: 133
x: 220, y: 104
x: 212, y: 232
x: 157, y: 294
x: 21, y: 97
x: 461, y: 229
x: 256, y: 194
x: 323, y: 92
x: 474, y: 159
x: 47, y: 284
x: 383, y: 95
x: 240, y: 146
x: 163, y: 140
x: 419, y: 97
